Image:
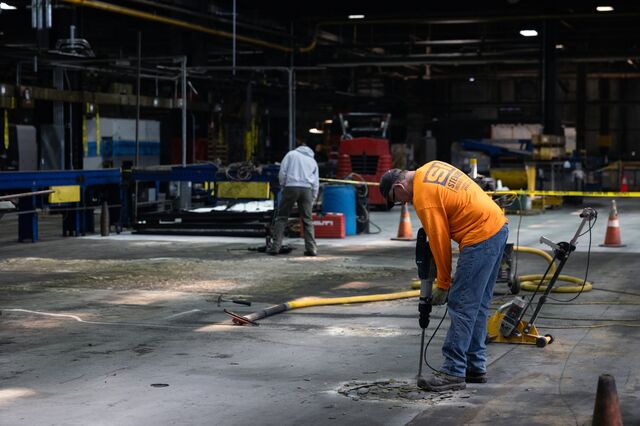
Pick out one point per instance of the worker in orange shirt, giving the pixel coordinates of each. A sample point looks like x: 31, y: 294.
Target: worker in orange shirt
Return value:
x: 451, y: 206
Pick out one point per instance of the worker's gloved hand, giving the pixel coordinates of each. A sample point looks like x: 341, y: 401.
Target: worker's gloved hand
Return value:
x: 439, y: 296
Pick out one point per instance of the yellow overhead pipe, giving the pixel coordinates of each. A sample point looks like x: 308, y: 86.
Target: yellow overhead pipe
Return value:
x: 108, y: 7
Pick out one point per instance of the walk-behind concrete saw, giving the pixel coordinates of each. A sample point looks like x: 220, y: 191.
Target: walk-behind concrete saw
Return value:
x: 507, y: 324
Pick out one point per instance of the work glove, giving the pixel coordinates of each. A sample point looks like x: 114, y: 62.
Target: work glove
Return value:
x: 438, y: 296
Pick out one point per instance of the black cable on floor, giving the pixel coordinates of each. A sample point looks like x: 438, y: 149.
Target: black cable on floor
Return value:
x: 424, y: 355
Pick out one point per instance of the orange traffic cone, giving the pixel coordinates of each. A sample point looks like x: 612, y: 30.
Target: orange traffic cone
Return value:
x: 405, y: 233
x: 624, y: 186
x: 612, y: 237
x: 606, y: 411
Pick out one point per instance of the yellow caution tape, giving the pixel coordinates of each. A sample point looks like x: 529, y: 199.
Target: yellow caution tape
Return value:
x: 352, y: 182
x: 520, y: 191
x: 568, y: 193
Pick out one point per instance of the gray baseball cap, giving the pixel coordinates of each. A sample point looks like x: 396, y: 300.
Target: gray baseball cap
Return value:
x: 387, y: 180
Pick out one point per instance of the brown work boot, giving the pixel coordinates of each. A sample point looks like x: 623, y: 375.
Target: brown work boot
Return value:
x: 475, y: 377
x: 440, y: 382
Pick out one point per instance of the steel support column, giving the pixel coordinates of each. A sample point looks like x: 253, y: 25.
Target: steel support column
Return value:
x: 549, y: 76
x: 185, y: 186
x: 581, y: 107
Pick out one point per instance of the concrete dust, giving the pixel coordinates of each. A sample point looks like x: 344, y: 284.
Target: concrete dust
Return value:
x: 240, y: 273
x: 398, y: 390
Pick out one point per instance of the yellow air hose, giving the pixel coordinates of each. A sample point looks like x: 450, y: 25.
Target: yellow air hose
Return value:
x: 530, y: 282
x: 313, y: 301
x: 527, y: 282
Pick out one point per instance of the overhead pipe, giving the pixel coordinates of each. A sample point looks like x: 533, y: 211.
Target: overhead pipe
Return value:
x: 469, y: 59
x: 457, y: 21
x: 101, y: 5
x: 208, y: 17
x: 108, y: 7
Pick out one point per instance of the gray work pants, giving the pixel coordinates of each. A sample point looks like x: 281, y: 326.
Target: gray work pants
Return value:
x: 304, y: 198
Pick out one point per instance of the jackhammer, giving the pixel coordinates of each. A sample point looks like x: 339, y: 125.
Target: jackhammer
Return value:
x: 426, y: 274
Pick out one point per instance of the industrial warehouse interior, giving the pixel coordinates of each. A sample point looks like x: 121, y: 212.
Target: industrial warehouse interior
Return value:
x: 339, y: 213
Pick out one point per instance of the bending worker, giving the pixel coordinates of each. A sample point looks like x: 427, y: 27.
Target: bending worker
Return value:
x: 299, y: 180
x: 451, y: 206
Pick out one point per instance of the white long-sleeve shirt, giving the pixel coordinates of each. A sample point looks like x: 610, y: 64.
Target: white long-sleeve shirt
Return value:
x: 299, y: 168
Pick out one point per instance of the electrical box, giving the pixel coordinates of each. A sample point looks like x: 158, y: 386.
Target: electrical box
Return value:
x: 329, y: 225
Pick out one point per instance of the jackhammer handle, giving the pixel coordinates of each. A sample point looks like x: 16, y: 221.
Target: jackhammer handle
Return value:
x: 423, y: 262
x: 425, y: 313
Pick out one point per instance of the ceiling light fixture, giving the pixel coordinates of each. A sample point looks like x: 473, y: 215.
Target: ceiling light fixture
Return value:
x: 315, y: 131
x: 604, y: 8
x: 5, y: 6
x: 328, y: 121
x: 356, y: 16
x: 528, y: 33
x: 472, y: 79
x: 559, y: 46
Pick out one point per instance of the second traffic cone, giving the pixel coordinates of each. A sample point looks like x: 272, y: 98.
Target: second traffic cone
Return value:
x: 612, y: 237
x: 405, y: 233
x: 606, y: 411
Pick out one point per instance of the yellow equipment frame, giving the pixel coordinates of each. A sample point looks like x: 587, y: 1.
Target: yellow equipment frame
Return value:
x: 519, y: 337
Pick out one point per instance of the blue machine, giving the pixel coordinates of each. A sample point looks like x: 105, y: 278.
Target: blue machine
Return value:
x: 79, y: 217
x: 518, y: 148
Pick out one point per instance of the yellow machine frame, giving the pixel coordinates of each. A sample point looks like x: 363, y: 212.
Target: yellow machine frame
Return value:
x: 519, y: 337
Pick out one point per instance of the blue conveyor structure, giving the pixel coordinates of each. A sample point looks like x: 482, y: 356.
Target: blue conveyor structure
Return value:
x: 78, y: 219
x: 190, y: 173
x: 519, y: 148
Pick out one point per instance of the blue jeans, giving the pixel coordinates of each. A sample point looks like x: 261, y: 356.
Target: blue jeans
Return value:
x: 469, y: 298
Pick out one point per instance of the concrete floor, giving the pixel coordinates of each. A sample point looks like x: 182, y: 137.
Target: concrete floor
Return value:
x: 125, y: 330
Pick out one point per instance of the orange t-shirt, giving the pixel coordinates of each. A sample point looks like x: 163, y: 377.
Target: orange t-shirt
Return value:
x: 451, y: 206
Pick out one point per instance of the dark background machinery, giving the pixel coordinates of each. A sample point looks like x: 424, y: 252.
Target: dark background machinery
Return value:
x: 228, y: 82
x: 443, y: 70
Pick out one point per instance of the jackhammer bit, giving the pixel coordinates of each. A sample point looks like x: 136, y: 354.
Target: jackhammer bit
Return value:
x: 423, y: 262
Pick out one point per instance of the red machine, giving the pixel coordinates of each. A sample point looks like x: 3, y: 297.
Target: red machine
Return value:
x: 364, y: 150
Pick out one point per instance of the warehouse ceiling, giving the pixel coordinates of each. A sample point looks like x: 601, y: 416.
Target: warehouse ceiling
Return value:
x: 403, y: 40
